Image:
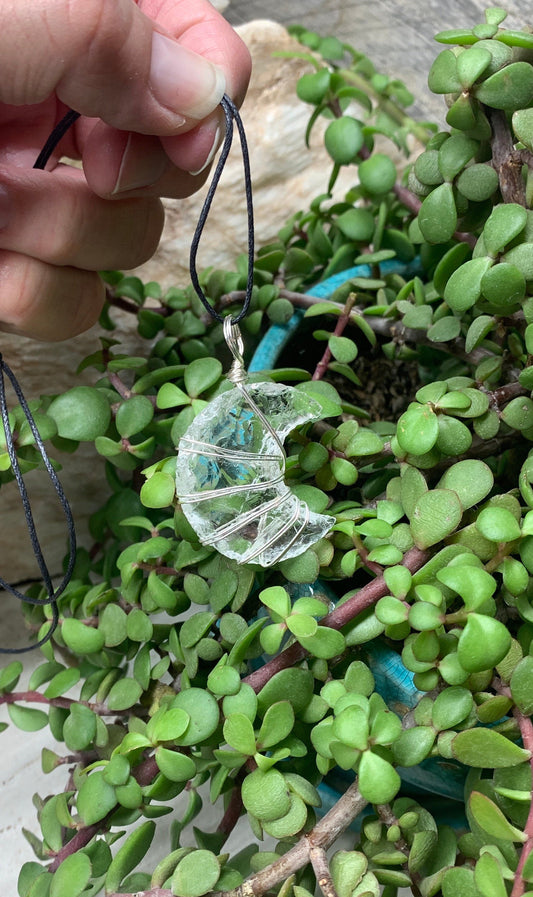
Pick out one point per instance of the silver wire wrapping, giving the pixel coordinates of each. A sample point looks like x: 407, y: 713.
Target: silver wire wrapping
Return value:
x: 231, y: 468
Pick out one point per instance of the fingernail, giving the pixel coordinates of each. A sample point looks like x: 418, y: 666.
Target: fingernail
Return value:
x: 5, y: 208
x: 138, y: 169
x: 217, y: 140
x: 183, y: 81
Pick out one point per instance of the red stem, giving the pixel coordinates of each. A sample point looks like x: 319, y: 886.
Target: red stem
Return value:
x: 342, y: 323
x: 35, y: 697
x: 526, y: 730
x: 365, y: 597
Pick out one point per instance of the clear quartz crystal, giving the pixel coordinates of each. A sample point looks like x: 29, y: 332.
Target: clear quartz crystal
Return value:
x: 230, y: 475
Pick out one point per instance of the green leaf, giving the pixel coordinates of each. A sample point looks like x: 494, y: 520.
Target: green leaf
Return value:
x: 133, y: 415
x: 444, y: 329
x: 72, y: 876
x: 239, y: 734
x: 492, y: 820
x: 294, y: 685
x: 523, y: 126
x: 196, y: 874
x: 325, y: 643
x: 129, y: 855
x: 522, y: 685
x: 201, y: 374
x: 203, y: 711
x: 96, y: 798
x: 455, y: 153
x: 356, y: 224
x: 342, y: 348
x: 443, y: 77
x: 347, y: 869
x: 124, y: 694
x: 313, y: 86
x: 418, y: 429
x: 10, y: 675
x: 413, y: 745
x: 483, y: 643
x: 437, y: 217
x: 459, y: 880
x: 471, y: 64
x: 167, y: 725
x: 478, y: 330
x: 378, y: 780
x: 498, y: 525
x: 80, y: 638
x: 139, y: 627
x: 79, y: 728
x: 81, y: 413
x: 463, y: 289
x: 265, y: 795
x: 484, y: 748
x: 488, y: 876
x: 377, y: 174
x: 175, y: 766
x: 158, y: 491
x: 343, y: 139
x: 510, y: 88
x: 291, y: 823
x: 472, y: 480
x: 454, y: 437
x: 518, y: 413
x: 277, y: 724
x: 276, y: 598
x: 504, y: 286
x: 29, y: 719
x: 451, y: 707
x: 478, y: 182
x: 436, y: 514
x: 503, y: 225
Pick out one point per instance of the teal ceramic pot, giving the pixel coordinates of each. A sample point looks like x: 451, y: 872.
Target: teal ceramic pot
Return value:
x: 436, y: 782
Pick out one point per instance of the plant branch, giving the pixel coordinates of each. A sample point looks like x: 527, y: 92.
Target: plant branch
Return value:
x: 145, y: 774
x: 35, y: 697
x: 319, y: 862
x: 232, y: 814
x: 526, y: 730
x: 342, y: 323
x: 351, y: 608
x: 324, y: 834
x: 506, y: 160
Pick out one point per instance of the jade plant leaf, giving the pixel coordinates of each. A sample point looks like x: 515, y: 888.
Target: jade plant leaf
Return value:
x: 436, y: 514
x: 437, y: 218
x: 486, y: 748
x: 492, y: 820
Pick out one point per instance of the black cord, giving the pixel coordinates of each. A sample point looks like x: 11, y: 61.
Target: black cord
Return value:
x: 232, y: 117
x: 5, y: 371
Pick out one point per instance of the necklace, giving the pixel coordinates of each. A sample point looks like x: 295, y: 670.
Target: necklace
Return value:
x: 231, y: 461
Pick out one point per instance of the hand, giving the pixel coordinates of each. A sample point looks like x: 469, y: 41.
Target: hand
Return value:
x: 147, y: 78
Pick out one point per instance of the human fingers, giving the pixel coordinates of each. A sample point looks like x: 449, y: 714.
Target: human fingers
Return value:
x: 47, y: 302
x: 60, y: 221
x: 114, y: 62
x: 119, y: 162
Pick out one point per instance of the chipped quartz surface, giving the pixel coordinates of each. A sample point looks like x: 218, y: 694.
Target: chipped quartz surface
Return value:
x: 230, y: 475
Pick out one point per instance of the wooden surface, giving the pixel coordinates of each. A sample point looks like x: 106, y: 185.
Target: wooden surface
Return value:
x: 398, y: 36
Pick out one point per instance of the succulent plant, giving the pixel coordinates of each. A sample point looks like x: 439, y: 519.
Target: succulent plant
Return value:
x: 261, y: 690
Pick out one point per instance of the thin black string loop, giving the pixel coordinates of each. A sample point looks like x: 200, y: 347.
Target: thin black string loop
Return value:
x: 53, y: 594
x: 232, y: 117
x: 5, y: 371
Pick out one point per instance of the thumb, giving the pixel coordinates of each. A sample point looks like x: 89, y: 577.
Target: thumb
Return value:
x: 109, y: 60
